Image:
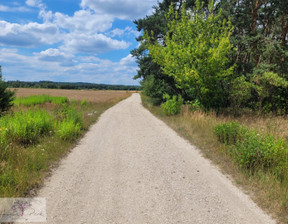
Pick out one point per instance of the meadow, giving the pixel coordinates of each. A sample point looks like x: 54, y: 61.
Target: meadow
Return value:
x: 252, y: 149
x: 41, y: 128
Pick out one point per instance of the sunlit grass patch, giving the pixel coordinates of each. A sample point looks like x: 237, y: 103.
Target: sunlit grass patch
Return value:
x: 39, y: 99
x: 26, y: 127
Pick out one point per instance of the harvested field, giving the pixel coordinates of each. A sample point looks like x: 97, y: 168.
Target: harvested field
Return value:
x: 95, y: 96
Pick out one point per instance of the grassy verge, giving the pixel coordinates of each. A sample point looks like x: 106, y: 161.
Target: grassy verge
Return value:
x: 34, y: 136
x: 261, y: 172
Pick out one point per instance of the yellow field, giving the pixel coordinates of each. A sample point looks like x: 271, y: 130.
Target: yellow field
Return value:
x: 95, y: 96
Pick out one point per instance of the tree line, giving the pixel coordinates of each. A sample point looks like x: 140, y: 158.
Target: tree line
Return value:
x: 227, y: 54
x: 69, y: 85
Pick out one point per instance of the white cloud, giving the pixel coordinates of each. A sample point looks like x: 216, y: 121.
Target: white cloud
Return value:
x: 31, y: 34
x: 53, y: 64
x: 95, y: 43
x: 121, y: 32
x: 4, y: 8
x: 123, y: 9
x: 83, y: 21
x: 34, y: 3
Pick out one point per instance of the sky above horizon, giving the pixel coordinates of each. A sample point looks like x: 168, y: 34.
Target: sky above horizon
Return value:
x: 70, y: 40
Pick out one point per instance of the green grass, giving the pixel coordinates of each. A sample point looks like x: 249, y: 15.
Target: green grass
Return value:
x: 26, y: 127
x: 39, y: 99
x: 254, y: 151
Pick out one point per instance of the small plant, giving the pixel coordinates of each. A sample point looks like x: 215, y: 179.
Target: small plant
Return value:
x: 172, y: 106
x: 83, y: 103
x: 68, y: 130
x: 195, y: 105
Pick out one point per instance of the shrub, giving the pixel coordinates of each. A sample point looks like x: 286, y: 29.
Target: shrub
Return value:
x: 68, y: 130
x: 228, y: 133
x: 172, y: 106
x: 70, y: 113
x: 252, y: 150
x: 6, y: 96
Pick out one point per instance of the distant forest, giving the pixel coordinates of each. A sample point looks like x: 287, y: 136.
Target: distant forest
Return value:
x: 69, y: 85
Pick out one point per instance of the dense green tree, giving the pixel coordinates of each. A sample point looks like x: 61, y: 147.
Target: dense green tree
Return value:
x: 6, y: 95
x: 154, y: 82
x: 197, y: 53
x: 260, y: 38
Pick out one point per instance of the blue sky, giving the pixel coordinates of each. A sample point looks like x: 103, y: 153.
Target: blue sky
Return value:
x: 70, y: 40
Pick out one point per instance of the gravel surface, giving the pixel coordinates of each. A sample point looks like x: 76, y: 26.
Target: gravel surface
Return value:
x: 131, y: 168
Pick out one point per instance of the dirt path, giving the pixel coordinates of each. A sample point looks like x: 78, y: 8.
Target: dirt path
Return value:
x: 132, y: 168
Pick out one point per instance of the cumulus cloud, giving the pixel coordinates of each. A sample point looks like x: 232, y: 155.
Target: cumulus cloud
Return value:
x: 34, y: 3
x: 28, y: 35
x: 55, y: 55
x: 83, y: 21
x: 95, y: 43
x: 123, y: 9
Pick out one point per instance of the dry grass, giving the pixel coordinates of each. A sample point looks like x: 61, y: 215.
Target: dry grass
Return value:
x: 95, y: 96
x: 198, y: 127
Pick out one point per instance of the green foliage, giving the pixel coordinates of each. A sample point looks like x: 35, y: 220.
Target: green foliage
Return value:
x: 71, y: 114
x: 195, y: 105
x: 39, y: 99
x: 172, y: 106
x: 6, y: 95
x: 70, y: 124
x: 155, y: 88
x: 68, y: 130
x: 83, y: 103
x: 251, y: 150
x: 69, y: 85
x: 154, y: 82
x: 260, y: 35
x: 273, y: 92
x: 26, y: 127
x: 240, y: 92
x: 196, y: 53
x: 228, y: 133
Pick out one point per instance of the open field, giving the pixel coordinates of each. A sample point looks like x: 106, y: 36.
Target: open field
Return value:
x: 95, y: 96
x: 266, y: 186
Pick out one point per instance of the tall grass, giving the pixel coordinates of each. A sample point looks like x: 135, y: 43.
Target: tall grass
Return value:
x: 70, y: 124
x: 26, y: 127
x: 39, y: 99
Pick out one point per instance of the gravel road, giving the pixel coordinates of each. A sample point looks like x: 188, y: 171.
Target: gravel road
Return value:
x: 131, y: 168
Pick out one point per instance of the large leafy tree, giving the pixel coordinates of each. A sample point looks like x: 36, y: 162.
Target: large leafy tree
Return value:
x: 260, y: 38
x: 196, y: 54
x: 154, y: 82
